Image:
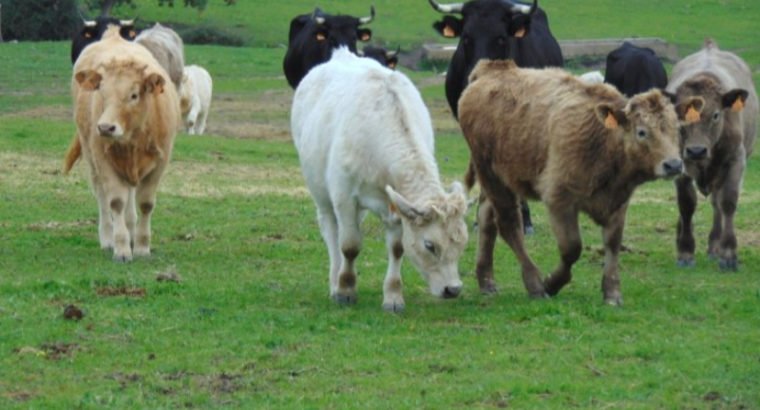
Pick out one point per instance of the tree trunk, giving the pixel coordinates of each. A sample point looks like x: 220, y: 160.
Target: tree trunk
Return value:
x: 105, y: 10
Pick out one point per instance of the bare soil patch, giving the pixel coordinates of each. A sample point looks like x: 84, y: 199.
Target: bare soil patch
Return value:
x: 121, y: 291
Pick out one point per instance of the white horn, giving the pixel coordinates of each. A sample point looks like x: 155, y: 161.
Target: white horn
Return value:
x: 447, y: 8
x: 367, y: 20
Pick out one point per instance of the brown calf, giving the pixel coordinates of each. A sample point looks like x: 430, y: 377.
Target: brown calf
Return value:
x: 127, y: 116
x: 544, y: 134
x: 718, y: 107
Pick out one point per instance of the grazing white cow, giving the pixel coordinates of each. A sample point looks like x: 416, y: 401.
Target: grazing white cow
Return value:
x: 195, y: 98
x: 167, y: 48
x: 365, y: 142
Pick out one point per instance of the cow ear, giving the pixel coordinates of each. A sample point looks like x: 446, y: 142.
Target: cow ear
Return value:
x: 154, y: 83
x: 392, y: 62
x: 449, y: 27
x: 610, y: 117
x: 672, y: 97
x: 689, y: 111
x: 88, y: 79
x: 519, y: 26
x: 735, y: 99
x: 364, y: 34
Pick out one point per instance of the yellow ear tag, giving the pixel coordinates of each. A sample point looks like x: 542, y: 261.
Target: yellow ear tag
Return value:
x: 692, y: 115
x: 449, y: 32
x: 365, y: 37
x: 320, y: 37
x: 610, y: 122
x: 520, y: 33
x: 738, y: 105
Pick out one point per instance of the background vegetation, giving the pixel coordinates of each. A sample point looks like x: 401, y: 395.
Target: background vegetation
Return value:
x: 249, y: 324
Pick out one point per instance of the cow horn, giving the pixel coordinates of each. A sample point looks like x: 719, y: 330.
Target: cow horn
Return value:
x: 127, y: 22
x: 391, y: 54
x: 447, y: 8
x: 522, y: 8
x: 317, y: 16
x: 368, y: 19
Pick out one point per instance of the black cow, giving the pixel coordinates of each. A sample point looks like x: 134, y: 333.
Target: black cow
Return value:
x: 634, y: 70
x: 381, y: 55
x: 495, y: 30
x: 313, y: 37
x: 93, y: 30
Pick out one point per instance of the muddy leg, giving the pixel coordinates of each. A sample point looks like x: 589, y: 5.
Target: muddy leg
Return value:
x: 687, y: 205
x: 486, y: 242
x: 565, y: 225
x: 612, y: 235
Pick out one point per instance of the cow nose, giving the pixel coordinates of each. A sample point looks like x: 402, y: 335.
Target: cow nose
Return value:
x: 106, y: 130
x: 450, y: 292
x: 673, y: 166
x: 696, y: 152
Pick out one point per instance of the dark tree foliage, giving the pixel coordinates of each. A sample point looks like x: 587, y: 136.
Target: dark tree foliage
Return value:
x: 38, y: 20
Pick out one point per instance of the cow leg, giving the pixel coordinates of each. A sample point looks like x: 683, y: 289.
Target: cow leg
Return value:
x: 510, y: 228
x: 117, y: 198
x: 146, y: 201
x: 350, y: 242
x: 393, y: 297
x: 201, y: 126
x: 687, y: 205
x: 486, y: 243
x: 105, y: 224
x: 612, y: 236
x: 328, y: 227
x: 131, y: 215
x: 527, y: 222
x: 565, y: 225
x: 713, y: 240
x: 727, y: 199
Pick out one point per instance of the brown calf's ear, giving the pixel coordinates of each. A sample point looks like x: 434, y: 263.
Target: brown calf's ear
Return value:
x: 88, y: 79
x: 154, y: 83
x: 609, y: 116
x: 735, y: 99
x: 690, y: 110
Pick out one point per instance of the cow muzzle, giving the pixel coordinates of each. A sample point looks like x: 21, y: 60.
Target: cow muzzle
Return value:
x: 672, y: 167
x: 696, y: 152
x: 109, y: 130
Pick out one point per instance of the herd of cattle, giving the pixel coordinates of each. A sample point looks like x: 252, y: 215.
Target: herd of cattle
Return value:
x: 365, y: 140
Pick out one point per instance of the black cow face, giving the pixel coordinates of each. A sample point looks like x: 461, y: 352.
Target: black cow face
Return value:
x: 340, y: 31
x: 381, y: 55
x: 93, y: 31
x: 485, y: 29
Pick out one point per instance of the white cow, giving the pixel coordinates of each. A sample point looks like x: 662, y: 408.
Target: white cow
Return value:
x: 365, y: 142
x: 592, y: 77
x: 195, y: 98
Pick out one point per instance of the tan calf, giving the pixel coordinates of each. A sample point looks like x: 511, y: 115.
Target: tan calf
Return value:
x: 127, y: 116
x: 718, y: 107
x: 544, y: 134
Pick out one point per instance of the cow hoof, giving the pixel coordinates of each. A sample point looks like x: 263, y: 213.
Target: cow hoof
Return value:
x: 729, y: 264
x: 529, y: 230
x: 614, y: 300
x: 686, y: 263
x: 142, y: 252
x: 489, y: 289
x: 122, y: 258
x: 539, y: 295
x: 344, y: 300
x: 394, y: 307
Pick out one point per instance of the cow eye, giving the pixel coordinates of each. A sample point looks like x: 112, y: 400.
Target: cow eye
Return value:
x: 641, y: 133
x: 430, y: 247
x: 134, y: 96
x: 716, y: 116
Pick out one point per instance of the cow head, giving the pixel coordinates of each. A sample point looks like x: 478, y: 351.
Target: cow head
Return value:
x: 649, y: 128
x: 381, y: 55
x: 706, y: 111
x: 485, y: 28
x: 434, y: 237
x: 92, y: 31
x: 122, y: 89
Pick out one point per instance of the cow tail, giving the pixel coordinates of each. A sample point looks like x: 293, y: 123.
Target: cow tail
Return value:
x: 469, y: 177
x: 73, y: 154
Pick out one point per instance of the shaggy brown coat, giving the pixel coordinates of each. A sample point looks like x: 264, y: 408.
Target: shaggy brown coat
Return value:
x: 718, y: 106
x: 127, y: 115
x: 544, y: 134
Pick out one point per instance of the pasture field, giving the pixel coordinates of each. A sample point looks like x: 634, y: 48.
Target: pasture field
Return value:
x: 249, y: 323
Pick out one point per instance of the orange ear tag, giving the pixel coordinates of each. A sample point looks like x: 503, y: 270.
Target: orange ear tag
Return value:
x: 392, y: 207
x: 610, y: 122
x: 132, y: 34
x: 449, y: 32
x: 692, y: 115
x: 320, y: 37
x: 365, y: 37
x: 738, y: 105
x: 520, y: 33
x: 87, y: 35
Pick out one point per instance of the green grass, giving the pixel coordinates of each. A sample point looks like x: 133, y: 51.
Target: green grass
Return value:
x: 250, y: 324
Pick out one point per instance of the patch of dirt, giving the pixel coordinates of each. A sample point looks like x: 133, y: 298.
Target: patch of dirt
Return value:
x: 170, y: 275
x: 222, y: 383
x: 72, y: 312
x: 109, y: 291
x: 53, y: 225
x: 50, y: 113
x: 18, y: 395
x: 262, y: 117
x: 58, y: 350
x: 125, y: 379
